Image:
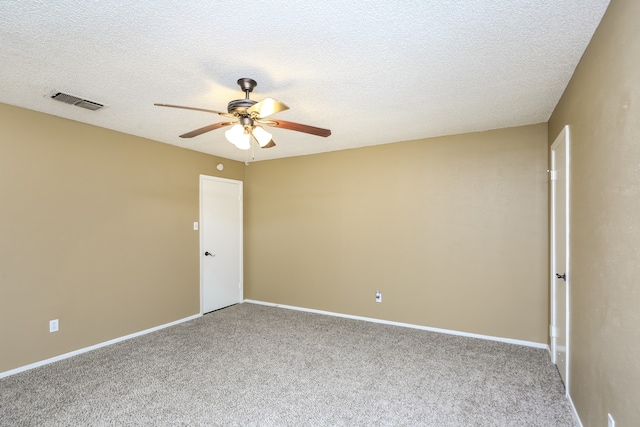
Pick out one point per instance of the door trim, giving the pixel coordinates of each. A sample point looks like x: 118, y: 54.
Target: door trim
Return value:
x: 563, y: 136
x: 201, y: 231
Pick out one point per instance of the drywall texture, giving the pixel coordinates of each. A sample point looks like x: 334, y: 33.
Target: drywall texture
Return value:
x: 602, y: 107
x: 374, y: 72
x: 451, y: 230
x: 97, y: 231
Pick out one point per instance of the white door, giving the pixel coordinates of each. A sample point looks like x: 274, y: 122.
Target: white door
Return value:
x: 220, y: 243
x: 560, y: 254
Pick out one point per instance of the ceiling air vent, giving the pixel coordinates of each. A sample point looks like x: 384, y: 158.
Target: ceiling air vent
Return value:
x: 78, y: 102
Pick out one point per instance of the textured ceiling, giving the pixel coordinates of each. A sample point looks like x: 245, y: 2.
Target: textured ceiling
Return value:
x: 373, y: 72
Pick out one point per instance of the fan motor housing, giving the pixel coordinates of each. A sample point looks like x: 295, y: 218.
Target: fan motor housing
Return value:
x: 240, y: 106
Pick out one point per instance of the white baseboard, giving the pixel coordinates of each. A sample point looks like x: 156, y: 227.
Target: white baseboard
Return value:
x: 406, y: 325
x: 574, y: 411
x: 290, y: 307
x: 95, y: 347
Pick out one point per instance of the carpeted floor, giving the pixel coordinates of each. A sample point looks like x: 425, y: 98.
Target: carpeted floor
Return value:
x: 253, y: 365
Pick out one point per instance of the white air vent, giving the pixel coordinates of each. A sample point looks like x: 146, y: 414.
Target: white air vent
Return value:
x: 78, y: 102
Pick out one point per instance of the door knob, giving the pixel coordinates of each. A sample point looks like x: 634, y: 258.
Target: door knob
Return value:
x: 208, y: 254
x: 562, y: 276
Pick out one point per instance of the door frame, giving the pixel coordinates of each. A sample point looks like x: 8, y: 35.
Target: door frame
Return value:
x: 563, y: 137
x: 201, y: 235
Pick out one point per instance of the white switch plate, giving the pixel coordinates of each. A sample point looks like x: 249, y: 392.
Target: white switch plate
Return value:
x: 53, y: 325
x: 378, y: 296
x: 195, y: 226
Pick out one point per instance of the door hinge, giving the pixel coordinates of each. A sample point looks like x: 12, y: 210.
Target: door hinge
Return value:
x: 553, y: 175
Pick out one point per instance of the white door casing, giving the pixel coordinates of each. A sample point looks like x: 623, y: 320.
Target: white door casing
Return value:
x: 559, y: 262
x: 221, y: 277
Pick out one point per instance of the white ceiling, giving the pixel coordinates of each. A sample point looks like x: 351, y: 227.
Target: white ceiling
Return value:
x: 373, y: 72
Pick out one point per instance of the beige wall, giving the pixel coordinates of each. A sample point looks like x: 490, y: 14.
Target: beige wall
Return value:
x: 96, y: 231
x: 602, y: 107
x: 451, y: 230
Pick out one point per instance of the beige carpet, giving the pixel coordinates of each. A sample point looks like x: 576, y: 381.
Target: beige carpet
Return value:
x: 252, y: 365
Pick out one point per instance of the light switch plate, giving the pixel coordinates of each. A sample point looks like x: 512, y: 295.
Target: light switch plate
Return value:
x: 195, y: 225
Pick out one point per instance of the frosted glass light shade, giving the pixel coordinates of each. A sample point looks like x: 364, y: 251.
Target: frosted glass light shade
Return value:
x: 237, y: 136
x: 262, y: 136
x: 245, y: 142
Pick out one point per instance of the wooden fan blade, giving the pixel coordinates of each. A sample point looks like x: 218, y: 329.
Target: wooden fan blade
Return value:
x: 194, y: 108
x: 298, y: 127
x: 267, y: 107
x: 205, y: 129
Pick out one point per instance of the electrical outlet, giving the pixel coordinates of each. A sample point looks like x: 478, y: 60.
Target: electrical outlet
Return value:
x: 53, y: 325
x: 612, y: 422
x: 378, y: 296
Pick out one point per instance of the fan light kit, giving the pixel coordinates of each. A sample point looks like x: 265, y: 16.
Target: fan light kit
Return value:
x: 248, y: 117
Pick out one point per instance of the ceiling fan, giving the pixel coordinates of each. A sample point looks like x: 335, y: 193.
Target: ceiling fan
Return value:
x: 248, y: 116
